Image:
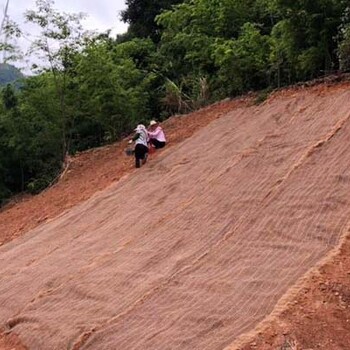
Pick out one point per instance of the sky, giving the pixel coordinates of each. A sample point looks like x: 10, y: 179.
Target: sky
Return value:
x: 101, y: 14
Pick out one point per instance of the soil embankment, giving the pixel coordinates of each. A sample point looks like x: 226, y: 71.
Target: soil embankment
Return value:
x: 198, y: 247
x: 93, y: 171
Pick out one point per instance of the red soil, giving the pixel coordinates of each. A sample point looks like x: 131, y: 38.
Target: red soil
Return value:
x: 93, y: 171
x: 88, y: 173
x: 317, y: 315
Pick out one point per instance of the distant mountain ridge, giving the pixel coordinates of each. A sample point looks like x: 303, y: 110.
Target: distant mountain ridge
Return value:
x: 9, y: 74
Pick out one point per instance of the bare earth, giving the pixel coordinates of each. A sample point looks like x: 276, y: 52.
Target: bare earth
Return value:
x: 201, y: 245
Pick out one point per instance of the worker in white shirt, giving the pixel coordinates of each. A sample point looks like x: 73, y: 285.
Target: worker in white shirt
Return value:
x: 141, y: 145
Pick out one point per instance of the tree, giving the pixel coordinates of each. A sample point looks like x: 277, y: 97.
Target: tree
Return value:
x: 141, y: 14
x: 113, y: 86
x: 344, y: 42
x: 242, y: 62
x: 9, y: 98
x: 30, y: 154
x: 311, y: 28
x: 61, y: 38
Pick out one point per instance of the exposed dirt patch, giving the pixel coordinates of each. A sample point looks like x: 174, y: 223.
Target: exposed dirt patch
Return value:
x: 319, y: 316
x: 10, y: 342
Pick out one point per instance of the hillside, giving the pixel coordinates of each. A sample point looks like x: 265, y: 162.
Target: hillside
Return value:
x: 201, y: 245
x: 9, y: 74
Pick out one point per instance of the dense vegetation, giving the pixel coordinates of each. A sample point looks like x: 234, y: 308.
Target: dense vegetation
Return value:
x: 175, y: 57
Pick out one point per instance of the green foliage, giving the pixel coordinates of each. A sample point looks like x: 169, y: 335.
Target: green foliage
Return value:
x: 140, y: 15
x: 344, y: 45
x: 242, y: 62
x: 31, y: 151
x: 9, y: 98
x: 8, y: 50
x: 188, y: 96
x: 344, y: 50
x: 176, y: 57
x: 61, y: 38
x: 111, y: 87
x: 308, y: 29
x: 244, y: 45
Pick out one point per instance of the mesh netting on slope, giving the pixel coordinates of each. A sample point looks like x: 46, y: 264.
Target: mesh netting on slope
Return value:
x: 195, y: 248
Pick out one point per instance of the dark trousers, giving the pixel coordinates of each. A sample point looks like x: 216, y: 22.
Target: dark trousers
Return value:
x: 141, y: 152
x: 157, y: 144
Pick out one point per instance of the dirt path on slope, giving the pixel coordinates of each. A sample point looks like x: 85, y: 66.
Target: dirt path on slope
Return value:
x: 322, y: 304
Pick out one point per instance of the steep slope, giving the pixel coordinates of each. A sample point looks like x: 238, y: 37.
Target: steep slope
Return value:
x: 95, y: 170
x: 196, y: 248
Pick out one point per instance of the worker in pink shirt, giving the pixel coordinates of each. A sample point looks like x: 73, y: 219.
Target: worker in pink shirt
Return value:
x: 156, y: 135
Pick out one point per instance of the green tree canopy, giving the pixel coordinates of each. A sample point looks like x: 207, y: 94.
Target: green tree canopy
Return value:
x: 141, y: 14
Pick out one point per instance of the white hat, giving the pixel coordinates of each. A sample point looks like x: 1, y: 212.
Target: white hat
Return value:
x: 152, y: 122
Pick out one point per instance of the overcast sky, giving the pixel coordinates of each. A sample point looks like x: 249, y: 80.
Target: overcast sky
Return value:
x: 101, y: 14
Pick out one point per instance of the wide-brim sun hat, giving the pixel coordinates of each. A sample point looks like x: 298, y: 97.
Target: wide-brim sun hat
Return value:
x: 152, y: 122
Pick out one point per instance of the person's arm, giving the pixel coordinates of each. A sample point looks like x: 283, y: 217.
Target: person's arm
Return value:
x: 155, y: 133
x: 137, y: 135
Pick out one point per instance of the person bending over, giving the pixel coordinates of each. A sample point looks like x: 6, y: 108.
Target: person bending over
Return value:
x: 141, y: 145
